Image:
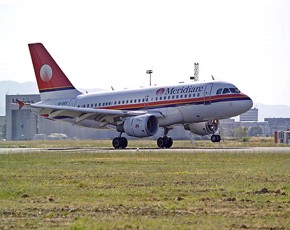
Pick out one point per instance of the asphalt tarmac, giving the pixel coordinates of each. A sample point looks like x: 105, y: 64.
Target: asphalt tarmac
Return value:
x: 187, y: 150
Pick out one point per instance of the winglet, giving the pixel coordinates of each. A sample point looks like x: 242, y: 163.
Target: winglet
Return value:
x: 20, y: 104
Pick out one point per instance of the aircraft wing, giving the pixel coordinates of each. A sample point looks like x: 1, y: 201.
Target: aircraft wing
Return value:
x: 105, y: 116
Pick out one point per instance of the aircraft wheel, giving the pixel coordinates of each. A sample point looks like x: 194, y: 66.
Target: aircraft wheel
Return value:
x: 120, y: 142
x: 161, y: 142
x: 117, y: 143
x: 124, y: 142
x: 168, y: 142
x: 218, y: 138
x: 164, y: 142
x: 215, y: 138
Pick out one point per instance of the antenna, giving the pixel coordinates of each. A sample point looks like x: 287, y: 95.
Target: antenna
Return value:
x: 149, y: 71
x: 196, y: 72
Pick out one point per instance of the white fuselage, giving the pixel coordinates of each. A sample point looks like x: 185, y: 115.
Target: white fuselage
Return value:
x: 179, y: 104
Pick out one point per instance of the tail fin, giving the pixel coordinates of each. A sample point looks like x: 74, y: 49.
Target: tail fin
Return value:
x: 52, y: 82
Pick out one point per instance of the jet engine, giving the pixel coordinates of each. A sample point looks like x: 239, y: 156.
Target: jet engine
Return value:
x: 203, y: 128
x: 140, y: 126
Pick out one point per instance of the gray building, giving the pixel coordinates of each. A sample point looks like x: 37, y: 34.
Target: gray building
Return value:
x: 251, y: 115
x: 278, y: 124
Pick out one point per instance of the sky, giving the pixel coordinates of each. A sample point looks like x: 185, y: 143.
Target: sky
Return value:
x: 99, y: 44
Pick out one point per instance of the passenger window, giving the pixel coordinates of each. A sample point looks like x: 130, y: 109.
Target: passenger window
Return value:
x: 176, y: 96
x: 181, y: 96
x: 160, y: 98
x: 219, y: 91
x: 173, y: 97
x: 135, y: 100
x: 139, y: 100
x: 131, y: 101
x: 164, y: 97
x: 226, y: 90
x: 156, y: 98
x: 185, y: 96
x: 168, y: 97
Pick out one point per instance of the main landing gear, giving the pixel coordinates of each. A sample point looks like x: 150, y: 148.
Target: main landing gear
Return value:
x: 215, y: 138
x: 165, y: 141
x: 120, y: 142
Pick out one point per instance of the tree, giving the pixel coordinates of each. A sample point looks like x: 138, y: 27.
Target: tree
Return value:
x: 241, y: 132
x: 254, y: 131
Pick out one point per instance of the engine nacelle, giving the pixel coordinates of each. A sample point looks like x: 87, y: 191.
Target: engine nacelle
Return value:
x: 203, y: 128
x: 140, y: 126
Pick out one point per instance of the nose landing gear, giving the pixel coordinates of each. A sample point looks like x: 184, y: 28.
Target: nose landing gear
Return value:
x: 215, y: 138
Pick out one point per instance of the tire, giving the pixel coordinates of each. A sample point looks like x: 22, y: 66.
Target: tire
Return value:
x: 213, y: 138
x: 161, y: 143
x: 117, y: 143
x: 218, y: 138
x: 168, y: 142
x: 124, y: 142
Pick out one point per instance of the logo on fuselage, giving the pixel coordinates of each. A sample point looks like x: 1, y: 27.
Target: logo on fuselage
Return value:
x: 179, y: 90
x: 160, y: 91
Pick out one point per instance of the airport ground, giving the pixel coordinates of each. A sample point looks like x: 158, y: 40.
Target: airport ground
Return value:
x: 89, y: 185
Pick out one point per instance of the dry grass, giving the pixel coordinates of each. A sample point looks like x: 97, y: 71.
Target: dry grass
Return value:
x: 143, y: 190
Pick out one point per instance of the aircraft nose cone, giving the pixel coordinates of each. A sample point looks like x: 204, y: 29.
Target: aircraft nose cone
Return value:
x: 248, y: 103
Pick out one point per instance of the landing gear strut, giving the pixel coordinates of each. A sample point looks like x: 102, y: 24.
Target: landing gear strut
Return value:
x: 215, y: 138
x: 165, y: 141
x: 120, y: 142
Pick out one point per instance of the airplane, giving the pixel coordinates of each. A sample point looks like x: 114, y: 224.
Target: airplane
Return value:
x: 197, y: 106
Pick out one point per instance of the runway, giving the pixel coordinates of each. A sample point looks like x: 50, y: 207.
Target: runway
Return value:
x: 176, y: 150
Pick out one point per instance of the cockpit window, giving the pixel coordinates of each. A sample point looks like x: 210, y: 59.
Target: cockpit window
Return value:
x: 226, y: 90
x: 219, y: 91
x: 235, y: 90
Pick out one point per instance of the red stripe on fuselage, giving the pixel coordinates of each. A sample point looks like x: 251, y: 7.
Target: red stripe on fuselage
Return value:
x: 165, y: 103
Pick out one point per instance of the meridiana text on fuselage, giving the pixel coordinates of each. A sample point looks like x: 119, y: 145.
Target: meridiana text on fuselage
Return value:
x: 184, y: 89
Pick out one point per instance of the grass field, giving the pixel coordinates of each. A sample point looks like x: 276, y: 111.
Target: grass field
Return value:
x: 143, y: 190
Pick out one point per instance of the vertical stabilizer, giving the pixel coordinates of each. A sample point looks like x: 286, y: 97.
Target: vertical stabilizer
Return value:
x: 52, y: 82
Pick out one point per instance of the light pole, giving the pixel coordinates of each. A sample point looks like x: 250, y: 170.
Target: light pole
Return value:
x: 149, y: 71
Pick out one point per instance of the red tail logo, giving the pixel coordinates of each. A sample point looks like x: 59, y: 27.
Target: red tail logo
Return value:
x: 48, y: 74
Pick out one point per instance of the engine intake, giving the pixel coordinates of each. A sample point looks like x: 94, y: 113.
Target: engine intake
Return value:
x: 203, y: 128
x: 140, y: 126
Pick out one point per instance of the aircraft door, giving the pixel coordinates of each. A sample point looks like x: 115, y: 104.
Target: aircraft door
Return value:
x: 207, y: 94
x: 146, y: 101
x: 72, y: 102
